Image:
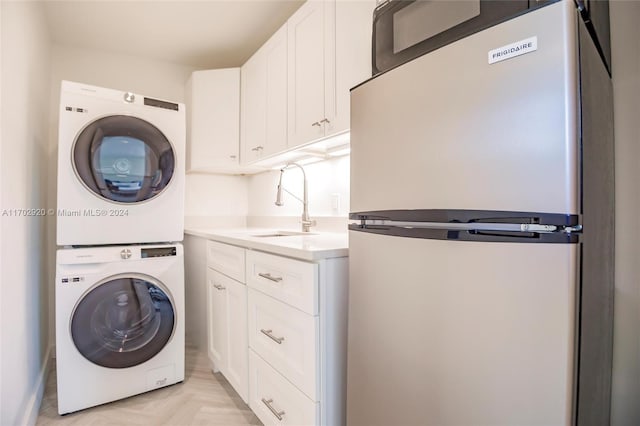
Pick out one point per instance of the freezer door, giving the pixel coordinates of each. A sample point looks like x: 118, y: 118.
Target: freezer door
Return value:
x: 448, y: 130
x: 460, y: 333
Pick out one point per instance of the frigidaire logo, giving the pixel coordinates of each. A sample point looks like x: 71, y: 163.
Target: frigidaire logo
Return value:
x: 512, y: 50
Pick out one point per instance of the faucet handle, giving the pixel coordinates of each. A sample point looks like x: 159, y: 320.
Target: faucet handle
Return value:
x: 307, y: 224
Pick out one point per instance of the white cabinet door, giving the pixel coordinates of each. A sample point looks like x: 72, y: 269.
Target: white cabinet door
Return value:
x: 275, y: 51
x: 237, y: 363
x: 216, y: 320
x: 349, y: 62
x: 214, y: 120
x: 227, y: 324
x: 264, y: 100
x: 253, y: 93
x: 329, y: 53
x: 305, y: 33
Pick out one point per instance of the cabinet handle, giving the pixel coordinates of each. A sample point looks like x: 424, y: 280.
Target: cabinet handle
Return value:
x: 219, y: 287
x: 275, y: 412
x: 267, y: 333
x: 317, y: 123
x: 257, y: 148
x: 269, y: 277
x: 325, y: 120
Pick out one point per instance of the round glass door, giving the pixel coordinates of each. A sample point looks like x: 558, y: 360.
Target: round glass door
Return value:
x: 123, y: 322
x: 123, y: 159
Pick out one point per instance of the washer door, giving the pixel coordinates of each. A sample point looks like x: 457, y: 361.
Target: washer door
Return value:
x: 123, y: 322
x: 123, y: 159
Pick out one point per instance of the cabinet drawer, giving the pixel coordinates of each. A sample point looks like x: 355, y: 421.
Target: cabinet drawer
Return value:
x: 272, y: 396
x: 291, y: 281
x: 287, y: 339
x: 226, y: 259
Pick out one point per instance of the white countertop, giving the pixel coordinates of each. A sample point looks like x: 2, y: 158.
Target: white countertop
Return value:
x: 316, y: 246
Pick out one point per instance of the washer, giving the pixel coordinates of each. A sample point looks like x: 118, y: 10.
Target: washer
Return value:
x: 119, y: 322
x: 121, y: 166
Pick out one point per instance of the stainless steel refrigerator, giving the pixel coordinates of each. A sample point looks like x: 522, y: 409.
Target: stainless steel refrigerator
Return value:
x: 481, y: 235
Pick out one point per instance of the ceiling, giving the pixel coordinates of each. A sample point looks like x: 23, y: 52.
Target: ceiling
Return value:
x: 204, y: 34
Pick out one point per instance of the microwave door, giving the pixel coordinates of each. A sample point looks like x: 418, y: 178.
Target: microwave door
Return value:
x: 404, y: 30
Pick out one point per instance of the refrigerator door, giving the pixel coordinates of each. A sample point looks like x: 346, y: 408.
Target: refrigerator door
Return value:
x: 448, y: 130
x: 460, y: 333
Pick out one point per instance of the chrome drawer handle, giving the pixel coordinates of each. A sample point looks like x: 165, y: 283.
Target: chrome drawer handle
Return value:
x: 317, y: 123
x: 275, y: 412
x: 267, y: 333
x: 219, y: 287
x: 257, y: 148
x: 324, y: 120
x: 269, y: 277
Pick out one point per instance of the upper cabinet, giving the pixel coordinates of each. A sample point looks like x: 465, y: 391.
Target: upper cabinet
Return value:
x: 292, y: 91
x: 264, y: 100
x: 329, y: 51
x: 307, y: 57
x: 213, y: 120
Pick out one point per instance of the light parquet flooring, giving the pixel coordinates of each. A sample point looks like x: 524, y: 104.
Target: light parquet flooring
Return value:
x: 202, y: 399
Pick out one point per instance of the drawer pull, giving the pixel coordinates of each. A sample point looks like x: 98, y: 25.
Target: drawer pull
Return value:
x: 269, y: 277
x: 275, y: 412
x: 267, y: 333
x: 219, y: 287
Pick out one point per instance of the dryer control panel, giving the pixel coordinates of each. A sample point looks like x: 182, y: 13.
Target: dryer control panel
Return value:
x: 157, y: 252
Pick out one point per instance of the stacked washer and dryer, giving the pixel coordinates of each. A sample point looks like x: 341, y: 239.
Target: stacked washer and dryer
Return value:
x: 120, y: 273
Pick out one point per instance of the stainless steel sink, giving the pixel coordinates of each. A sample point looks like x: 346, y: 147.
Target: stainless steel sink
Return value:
x: 283, y: 234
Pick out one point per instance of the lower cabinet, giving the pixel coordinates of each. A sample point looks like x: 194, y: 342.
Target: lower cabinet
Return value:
x: 281, y: 339
x: 227, y: 329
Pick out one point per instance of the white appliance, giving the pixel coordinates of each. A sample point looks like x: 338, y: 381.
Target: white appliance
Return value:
x: 119, y: 322
x: 121, y: 165
x: 481, y: 248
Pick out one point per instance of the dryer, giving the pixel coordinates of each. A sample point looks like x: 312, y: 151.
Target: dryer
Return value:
x: 121, y: 167
x: 119, y: 322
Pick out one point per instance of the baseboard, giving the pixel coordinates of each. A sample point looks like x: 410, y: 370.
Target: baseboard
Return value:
x: 33, y: 406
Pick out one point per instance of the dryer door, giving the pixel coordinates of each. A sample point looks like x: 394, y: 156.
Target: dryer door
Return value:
x: 123, y: 159
x: 123, y: 321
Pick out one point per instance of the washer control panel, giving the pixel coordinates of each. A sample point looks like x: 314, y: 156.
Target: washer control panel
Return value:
x: 158, y: 252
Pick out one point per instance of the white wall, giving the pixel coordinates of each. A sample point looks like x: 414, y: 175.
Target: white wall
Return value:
x: 26, y: 79
x: 216, y: 200
x: 150, y: 77
x: 327, y: 180
x: 237, y: 201
x: 625, y: 37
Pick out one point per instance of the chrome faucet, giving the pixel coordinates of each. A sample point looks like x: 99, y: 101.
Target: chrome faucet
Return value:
x: 307, y: 223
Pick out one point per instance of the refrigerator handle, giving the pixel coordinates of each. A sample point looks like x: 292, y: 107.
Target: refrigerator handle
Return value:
x: 469, y: 234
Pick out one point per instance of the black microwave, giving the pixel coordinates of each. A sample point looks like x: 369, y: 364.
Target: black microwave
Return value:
x: 406, y: 29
